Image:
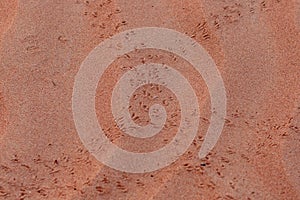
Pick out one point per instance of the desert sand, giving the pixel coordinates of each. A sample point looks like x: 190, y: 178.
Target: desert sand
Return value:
x: 255, y: 45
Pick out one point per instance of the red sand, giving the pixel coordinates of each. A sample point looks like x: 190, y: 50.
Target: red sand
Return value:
x: 255, y: 45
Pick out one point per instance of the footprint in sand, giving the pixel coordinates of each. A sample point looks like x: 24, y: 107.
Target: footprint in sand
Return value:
x: 291, y: 151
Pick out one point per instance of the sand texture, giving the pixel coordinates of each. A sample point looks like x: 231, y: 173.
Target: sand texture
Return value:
x: 256, y: 47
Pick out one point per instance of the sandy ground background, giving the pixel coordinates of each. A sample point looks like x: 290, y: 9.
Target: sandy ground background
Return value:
x: 255, y: 45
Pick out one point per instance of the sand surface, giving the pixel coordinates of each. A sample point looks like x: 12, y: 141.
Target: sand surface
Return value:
x: 255, y: 45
